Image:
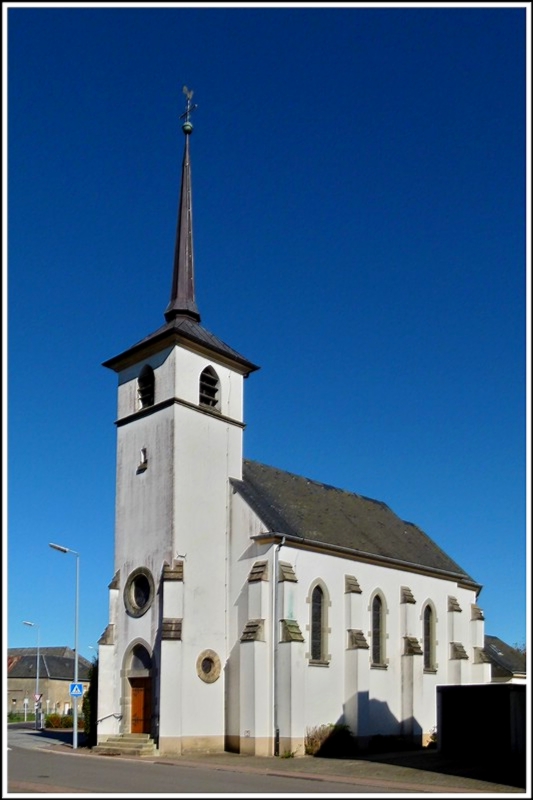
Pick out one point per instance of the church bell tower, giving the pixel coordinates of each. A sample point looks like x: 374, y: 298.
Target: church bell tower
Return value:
x: 179, y: 441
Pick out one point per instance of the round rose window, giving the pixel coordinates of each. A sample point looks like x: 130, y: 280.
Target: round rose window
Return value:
x: 139, y: 592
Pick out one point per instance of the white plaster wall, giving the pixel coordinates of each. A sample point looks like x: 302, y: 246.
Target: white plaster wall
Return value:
x: 178, y: 507
x: 173, y: 599
x: 325, y: 687
x: 248, y: 601
x: 243, y: 553
x: 163, y: 364
x: 170, y: 689
x: 108, y: 693
x: 144, y: 507
x: 207, y: 450
x: 177, y: 373
x: 188, y: 369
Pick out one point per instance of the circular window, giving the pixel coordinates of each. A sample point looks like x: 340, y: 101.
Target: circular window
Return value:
x: 139, y: 592
x: 208, y: 666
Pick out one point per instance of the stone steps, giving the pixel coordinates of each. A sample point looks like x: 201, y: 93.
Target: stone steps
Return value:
x: 128, y: 744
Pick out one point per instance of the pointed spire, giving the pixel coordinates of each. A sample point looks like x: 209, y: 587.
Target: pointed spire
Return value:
x: 182, y: 299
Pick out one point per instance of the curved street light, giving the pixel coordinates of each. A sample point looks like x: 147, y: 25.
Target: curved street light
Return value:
x: 75, y: 704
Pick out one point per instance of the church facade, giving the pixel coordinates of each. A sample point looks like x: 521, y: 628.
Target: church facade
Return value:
x: 249, y: 605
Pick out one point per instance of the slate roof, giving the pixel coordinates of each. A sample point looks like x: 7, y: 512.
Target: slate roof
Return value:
x: 503, y: 657
x: 56, y: 663
x: 178, y: 329
x: 303, y: 509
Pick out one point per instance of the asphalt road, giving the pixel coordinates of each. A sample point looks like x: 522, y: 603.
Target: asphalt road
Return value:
x: 44, y: 762
x: 35, y: 770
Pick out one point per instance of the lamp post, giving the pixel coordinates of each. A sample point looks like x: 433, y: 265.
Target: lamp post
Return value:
x: 37, y: 699
x: 75, y: 705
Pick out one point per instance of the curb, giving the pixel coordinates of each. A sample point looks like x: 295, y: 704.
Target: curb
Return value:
x: 399, y: 785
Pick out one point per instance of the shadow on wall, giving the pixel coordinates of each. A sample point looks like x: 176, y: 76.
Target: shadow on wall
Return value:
x: 378, y: 730
x: 372, y: 719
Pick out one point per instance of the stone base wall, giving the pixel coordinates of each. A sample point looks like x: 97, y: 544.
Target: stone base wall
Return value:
x: 260, y: 746
x: 187, y: 745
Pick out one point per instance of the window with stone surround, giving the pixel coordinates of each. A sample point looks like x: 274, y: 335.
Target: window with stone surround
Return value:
x: 378, y: 632
x: 429, y: 639
x: 318, y: 624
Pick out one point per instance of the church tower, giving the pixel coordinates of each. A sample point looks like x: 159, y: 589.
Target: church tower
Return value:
x: 179, y: 442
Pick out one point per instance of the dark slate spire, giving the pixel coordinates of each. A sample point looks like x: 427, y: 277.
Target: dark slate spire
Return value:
x: 182, y: 319
x: 182, y: 300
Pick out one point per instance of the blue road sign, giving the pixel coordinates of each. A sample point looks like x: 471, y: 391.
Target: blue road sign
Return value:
x: 76, y: 689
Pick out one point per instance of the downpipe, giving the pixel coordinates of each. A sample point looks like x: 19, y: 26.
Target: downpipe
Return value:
x: 275, y: 640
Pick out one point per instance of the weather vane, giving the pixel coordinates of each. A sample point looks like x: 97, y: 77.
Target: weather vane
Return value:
x: 187, y: 126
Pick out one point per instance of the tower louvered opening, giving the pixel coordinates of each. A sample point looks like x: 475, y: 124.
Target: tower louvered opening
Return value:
x: 146, y: 387
x: 209, y: 388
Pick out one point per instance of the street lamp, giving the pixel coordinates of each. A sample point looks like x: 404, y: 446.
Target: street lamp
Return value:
x: 75, y: 705
x: 37, y: 698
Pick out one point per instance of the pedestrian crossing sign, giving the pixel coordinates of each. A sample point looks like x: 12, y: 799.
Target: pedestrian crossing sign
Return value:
x: 76, y: 689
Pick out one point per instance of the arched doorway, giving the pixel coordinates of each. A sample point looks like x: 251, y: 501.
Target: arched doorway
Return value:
x: 140, y: 681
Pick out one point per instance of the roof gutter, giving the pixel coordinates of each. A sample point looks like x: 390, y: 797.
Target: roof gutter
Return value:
x: 361, y: 555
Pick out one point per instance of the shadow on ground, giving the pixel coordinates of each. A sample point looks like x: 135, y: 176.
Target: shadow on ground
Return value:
x: 505, y: 770
x: 475, y: 762
x: 62, y: 736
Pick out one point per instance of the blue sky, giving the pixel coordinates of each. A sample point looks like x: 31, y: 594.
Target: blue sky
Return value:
x: 359, y: 195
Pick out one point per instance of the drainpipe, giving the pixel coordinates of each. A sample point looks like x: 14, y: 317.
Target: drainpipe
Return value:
x: 275, y: 639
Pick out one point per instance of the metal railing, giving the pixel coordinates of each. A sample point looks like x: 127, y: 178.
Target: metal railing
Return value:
x: 107, y: 716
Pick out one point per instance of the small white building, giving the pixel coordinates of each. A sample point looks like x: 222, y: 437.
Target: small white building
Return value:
x: 248, y: 604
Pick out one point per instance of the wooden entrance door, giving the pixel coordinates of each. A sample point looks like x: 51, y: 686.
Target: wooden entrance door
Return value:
x: 141, y: 705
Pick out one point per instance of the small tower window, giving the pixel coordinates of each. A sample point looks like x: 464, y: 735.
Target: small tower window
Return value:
x: 143, y: 462
x: 209, y: 388
x: 146, y: 387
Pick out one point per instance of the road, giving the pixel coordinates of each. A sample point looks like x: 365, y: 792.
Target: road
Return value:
x: 37, y: 763
x: 36, y: 770
x: 44, y: 762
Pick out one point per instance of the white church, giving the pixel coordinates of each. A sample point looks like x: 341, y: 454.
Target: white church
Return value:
x: 247, y: 604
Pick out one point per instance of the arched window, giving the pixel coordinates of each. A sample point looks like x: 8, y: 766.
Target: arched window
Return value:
x: 317, y: 614
x: 146, y: 387
x: 378, y: 631
x: 429, y: 638
x: 318, y: 627
x: 209, y: 388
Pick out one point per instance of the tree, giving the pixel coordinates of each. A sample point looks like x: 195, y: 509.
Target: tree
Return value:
x: 90, y: 706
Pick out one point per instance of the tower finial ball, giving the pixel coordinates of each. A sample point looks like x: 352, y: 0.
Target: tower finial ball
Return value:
x: 187, y: 128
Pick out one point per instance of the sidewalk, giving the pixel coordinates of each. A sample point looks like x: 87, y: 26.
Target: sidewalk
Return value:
x: 421, y: 771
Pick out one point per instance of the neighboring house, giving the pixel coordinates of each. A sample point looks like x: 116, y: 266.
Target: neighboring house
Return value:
x: 56, y: 673
x: 249, y: 604
x: 508, y: 665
